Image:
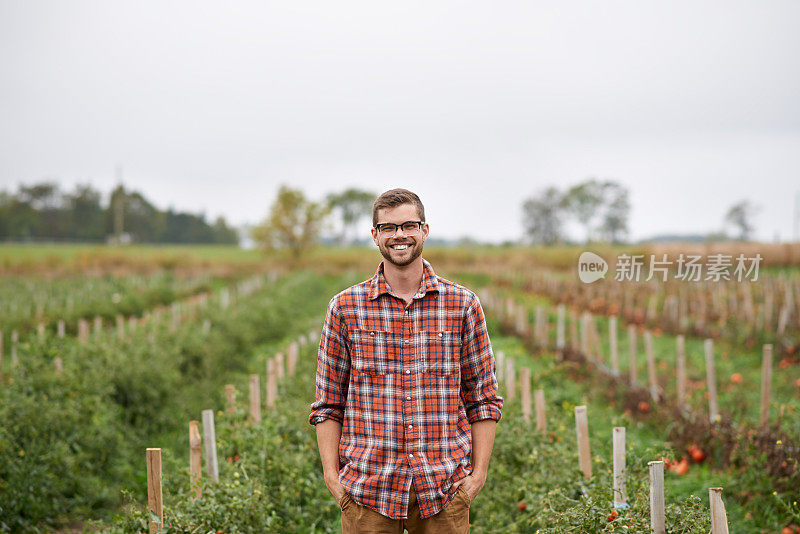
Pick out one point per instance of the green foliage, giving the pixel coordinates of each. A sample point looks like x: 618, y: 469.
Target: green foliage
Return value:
x: 43, y: 212
x: 293, y: 222
x: 352, y: 204
x: 71, y: 442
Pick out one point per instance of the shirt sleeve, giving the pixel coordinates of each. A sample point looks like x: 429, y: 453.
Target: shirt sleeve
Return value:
x: 333, y: 369
x: 478, y: 375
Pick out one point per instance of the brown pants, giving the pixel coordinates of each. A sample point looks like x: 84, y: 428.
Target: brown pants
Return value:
x: 452, y: 519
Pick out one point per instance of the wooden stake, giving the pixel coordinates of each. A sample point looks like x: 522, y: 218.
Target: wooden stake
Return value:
x: 573, y: 330
x: 14, y: 343
x: 766, y: 383
x: 279, y: 365
x: 40, y: 331
x: 582, y: 431
x: 210, y: 440
x: 154, y: 506
x: 719, y: 519
x: 61, y: 328
x: 541, y: 327
x: 500, y: 358
x: 98, y: 325
x: 712, y: 381
x: 585, y: 337
x: 255, y: 398
x: 230, y: 396
x: 510, y: 380
x: 657, y: 525
x: 291, y: 364
x: 783, y: 320
x: 83, y: 331
x: 541, y: 421
x: 560, y: 332
x: 618, y: 442
x: 612, y: 337
x: 120, y: 327
x: 651, y: 365
x: 632, y: 349
x: 681, y: 362
x: 522, y: 325
x: 272, y: 383
x: 59, y: 365
x: 293, y: 353
x: 195, y: 454
x: 525, y: 392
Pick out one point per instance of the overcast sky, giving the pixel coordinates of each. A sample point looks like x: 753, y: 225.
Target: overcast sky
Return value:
x: 209, y: 106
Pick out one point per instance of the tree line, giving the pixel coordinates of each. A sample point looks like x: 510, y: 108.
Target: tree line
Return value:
x: 295, y: 222
x: 602, y: 208
x: 43, y: 212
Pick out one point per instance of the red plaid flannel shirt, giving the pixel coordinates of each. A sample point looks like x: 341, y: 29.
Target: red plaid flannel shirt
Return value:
x: 405, y: 382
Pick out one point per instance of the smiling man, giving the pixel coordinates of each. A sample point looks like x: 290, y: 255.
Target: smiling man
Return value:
x: 406, y: 401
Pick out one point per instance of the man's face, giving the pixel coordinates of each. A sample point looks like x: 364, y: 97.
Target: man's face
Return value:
x: 400, y: 249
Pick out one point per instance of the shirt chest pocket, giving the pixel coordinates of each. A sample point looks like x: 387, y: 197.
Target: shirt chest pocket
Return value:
x: 440, y: 352
x: 373, y: 352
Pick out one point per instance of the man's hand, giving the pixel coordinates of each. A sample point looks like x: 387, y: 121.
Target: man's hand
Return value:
x: 329, y: 433
x: 482, y: 441
x: 473, y: 484
x: 334, y: 486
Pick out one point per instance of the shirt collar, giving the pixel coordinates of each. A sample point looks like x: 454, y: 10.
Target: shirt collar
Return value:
x: 430, y: 282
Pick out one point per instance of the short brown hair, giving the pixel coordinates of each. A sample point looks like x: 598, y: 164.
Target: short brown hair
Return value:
x: 394, y: 198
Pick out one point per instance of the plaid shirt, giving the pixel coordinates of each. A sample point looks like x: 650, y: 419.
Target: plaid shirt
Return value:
x: 405, y: 382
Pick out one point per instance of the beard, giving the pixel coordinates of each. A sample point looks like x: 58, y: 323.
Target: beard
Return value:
x: 401, y: 258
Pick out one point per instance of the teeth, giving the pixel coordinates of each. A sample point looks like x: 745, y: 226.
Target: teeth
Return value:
x: 400, y: 247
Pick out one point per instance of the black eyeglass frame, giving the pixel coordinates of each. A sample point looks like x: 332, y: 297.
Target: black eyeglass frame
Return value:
x: 380, y: 226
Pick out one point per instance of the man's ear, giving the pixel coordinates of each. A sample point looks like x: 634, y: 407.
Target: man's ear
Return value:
x: 374, y: 233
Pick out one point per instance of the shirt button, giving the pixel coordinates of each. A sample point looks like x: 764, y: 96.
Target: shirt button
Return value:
x: 408, y: 371
x: 410, y: 426
x: 372, y: 333
x: 440, y: 334
x: 408, y: 397
x: 408, y: 341
x: 410, y: 455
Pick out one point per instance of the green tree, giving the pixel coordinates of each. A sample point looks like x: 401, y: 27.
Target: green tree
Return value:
x: 84, y: 214
x: 293, y: 222
x: 47, y: 200
x: 740, y: 215
x: 18, y: 219
x: 352, y: 205
x: 614, y: 223
x: 224, y: 234
x: 541, y: 217
x: 584, y: 201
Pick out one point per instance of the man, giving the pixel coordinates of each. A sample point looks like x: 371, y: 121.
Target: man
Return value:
x: 406, y: 388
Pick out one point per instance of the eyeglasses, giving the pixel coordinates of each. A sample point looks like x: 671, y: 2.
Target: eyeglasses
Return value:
x: 390, y: 229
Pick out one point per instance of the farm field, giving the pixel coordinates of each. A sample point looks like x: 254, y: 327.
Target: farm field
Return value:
x: 80, y: 410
